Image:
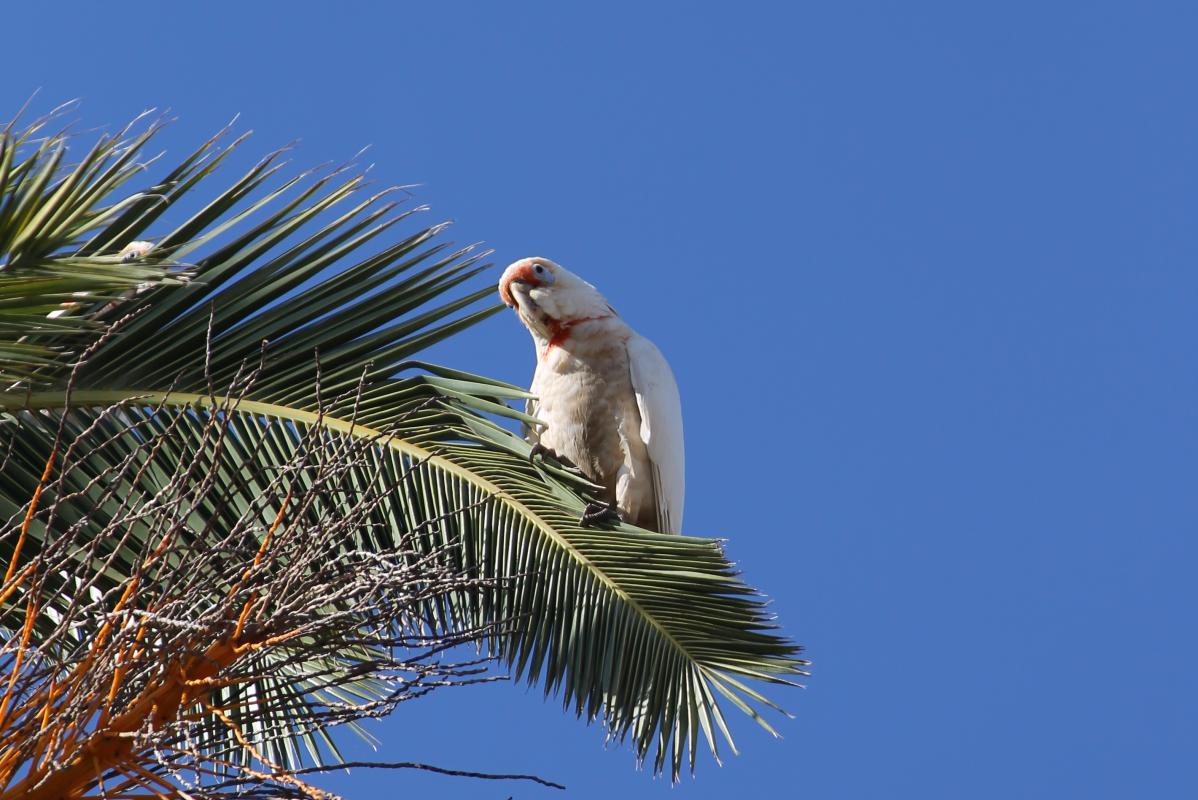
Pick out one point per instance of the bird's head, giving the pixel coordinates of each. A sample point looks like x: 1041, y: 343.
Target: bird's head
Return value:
x: 544, y: 294
x: 522, y: 276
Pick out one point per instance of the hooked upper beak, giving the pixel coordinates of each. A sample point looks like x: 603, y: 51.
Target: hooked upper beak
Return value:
x: 517, y: 280
x: 510, y: 288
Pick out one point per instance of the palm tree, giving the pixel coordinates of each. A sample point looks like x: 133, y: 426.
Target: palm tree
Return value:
x: 221, y: 465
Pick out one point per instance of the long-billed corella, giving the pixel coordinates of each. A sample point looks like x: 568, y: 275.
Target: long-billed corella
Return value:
x: 604, y: 394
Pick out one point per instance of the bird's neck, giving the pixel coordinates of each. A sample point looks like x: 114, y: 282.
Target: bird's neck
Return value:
x: 558, y: 332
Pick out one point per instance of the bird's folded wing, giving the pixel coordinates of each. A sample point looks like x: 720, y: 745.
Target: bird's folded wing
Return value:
x: 661, y: 429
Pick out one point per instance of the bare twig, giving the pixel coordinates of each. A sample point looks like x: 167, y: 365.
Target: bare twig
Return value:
x: 222, y: 640
x: 429, y: 768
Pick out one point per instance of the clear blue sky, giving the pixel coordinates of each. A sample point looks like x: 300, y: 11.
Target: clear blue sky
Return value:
x: 928, y: 277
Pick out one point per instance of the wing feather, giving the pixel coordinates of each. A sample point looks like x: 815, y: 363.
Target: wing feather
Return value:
x: 661, y: 429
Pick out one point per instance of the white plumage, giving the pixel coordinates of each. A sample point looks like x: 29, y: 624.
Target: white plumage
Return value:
x: 661, y: 428
x: 605, y: 395
x: 131, y: 252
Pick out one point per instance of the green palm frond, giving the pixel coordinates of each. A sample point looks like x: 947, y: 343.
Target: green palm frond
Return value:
x: 50, y: 211
x: 645, y: 631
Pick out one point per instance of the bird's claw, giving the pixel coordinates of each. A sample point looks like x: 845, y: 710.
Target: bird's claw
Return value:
x: 598, y: 513
x: 541, y: 450
x: 538, y: 449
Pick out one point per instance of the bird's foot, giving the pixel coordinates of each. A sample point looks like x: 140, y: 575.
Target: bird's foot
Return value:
x: 538, y: 449
x: 598, y: 513
x: 541, y: 450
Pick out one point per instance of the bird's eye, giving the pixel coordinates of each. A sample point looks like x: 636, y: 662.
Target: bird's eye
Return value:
x: 540, y: 270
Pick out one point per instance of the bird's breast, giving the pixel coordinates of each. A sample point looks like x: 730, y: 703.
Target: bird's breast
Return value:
x: 586, y: 400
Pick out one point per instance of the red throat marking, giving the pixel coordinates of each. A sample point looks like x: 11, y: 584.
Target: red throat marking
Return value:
x: 559, y: 332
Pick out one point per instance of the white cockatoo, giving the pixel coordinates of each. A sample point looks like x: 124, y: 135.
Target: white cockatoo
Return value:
x: 133, y: 251
x: 604, y: 394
